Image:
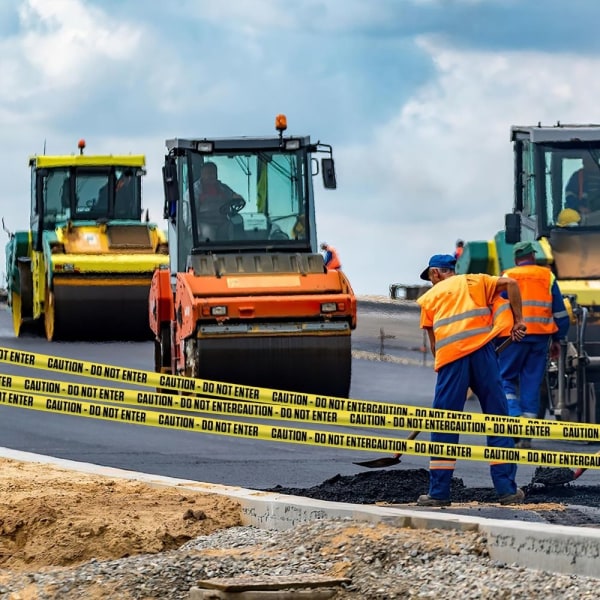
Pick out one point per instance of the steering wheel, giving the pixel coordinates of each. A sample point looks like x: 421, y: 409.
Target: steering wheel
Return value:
x: 232, y: 207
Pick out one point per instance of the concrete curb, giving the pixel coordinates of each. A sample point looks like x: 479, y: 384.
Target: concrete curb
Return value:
x: 557, y: 548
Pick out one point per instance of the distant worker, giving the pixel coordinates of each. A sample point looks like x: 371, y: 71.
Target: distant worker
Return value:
x: 215, y: 202
x: 522, y: 366
x: 582, y: 192
x: 456, y: 313
x: 460, y: 246
x: 125, y: 201
x: 330, y: 257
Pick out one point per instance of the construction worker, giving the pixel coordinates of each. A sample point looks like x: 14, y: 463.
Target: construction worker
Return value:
x: 457, y: 315
x: 125, y: 200
x: 582, y: 192
x: 215, y: 203
x: 330, y: 257
x: 460, y: 246
x: 522, y: 366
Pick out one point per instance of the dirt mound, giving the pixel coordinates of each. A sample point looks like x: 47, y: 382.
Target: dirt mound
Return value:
x: 56, y: 517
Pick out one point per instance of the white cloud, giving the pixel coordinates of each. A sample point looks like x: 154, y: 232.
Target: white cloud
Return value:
x: 64, y: 45
x: 441, y: 169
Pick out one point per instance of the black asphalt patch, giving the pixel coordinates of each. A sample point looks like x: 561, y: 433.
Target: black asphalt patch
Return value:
x: 398, y: 486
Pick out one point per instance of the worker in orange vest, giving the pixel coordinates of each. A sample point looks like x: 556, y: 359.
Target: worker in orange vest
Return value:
x: 458, y: 317
x: 331, y: 257
x: 522, y: 366
x: 460, y: 246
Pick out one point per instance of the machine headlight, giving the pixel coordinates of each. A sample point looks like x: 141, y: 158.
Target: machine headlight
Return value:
x: 205, y: 147
x: 292, y: 144
x: 218, y: 311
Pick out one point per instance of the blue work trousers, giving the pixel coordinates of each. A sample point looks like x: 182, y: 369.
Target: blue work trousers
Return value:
x: 478, y: 370
x: 522, y: 368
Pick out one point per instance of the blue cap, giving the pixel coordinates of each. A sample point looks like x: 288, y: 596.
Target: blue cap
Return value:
x: 439, y: 261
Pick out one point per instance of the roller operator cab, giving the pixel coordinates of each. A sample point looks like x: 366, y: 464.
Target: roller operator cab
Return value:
x: 248, y: 299
x: 557, y: 206
x: 84, y: 267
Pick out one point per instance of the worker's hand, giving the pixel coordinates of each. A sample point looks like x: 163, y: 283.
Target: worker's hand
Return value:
x: 518, y: 331
x: 554, y: 350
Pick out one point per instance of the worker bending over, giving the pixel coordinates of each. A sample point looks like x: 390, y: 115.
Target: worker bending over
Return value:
x: 457, y: 315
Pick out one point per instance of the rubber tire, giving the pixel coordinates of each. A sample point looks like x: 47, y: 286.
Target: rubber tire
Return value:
x: 17, y: 317
x: 162, y: 354
x: 50, y: 316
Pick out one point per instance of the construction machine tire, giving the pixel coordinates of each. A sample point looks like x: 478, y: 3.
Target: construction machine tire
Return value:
x: 51, y: 324
x: 22, y: 301
x: 162, y: 354
x: 17, y: 317
x: 305, y: 364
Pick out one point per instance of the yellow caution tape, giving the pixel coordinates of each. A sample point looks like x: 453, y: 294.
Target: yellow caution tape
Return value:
x: 402, y: 416
x: 481, y: 425
x: 308, y: 437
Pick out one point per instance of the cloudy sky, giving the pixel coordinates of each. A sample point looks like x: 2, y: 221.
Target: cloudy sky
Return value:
x: 416, y: 96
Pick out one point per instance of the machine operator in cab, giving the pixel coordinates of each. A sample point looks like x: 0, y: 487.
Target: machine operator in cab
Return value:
x: 215, y: 203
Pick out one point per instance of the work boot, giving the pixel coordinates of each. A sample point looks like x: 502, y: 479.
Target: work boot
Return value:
x: 427, y: 500
x: 516, y: 498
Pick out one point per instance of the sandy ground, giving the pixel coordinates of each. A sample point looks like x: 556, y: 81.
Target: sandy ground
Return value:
x: 55, y: 517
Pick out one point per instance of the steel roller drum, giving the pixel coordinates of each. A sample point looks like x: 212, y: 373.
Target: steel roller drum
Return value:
x: 310, y: 364
x: 114, y: 310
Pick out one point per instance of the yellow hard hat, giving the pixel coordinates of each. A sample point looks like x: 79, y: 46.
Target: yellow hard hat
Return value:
x: 568, y: 216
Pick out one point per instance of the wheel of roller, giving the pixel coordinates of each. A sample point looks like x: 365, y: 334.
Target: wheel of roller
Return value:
x: 50, y: 316
x: 17, y: 316
x: 162, y: 354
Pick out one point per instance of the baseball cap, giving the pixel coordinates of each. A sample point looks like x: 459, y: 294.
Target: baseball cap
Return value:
x: 523, y: 249
x: 439, y: 261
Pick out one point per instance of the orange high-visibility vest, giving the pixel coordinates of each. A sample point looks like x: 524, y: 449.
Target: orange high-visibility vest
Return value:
x: 535, y: 284
x: 502, y: 316
x: 462, y: 322
x: 334, y: 261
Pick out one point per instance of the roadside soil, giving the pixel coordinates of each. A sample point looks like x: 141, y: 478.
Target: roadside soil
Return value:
x: 56, y: 517
x: 53, y: 517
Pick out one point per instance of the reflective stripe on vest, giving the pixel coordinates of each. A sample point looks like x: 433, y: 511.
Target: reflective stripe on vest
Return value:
x: 502, y: 317
x: 460, y: 326
x: 535, y: 284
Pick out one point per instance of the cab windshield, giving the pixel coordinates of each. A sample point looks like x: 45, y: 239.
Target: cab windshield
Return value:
x: 89, y: 194
x: 244, y: 199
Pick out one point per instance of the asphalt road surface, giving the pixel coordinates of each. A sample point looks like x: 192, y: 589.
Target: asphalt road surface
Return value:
x: 385, y: 331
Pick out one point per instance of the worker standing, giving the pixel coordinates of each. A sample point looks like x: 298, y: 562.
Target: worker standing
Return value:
x: 331, y: 257
x: 522, y: 366
x: 460, y: 246
x: 457, y: 315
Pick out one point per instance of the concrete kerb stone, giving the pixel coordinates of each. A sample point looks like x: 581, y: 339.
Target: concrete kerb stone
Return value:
x: 557, y: 548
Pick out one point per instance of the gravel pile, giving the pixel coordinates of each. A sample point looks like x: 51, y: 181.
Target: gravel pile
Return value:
x: 382, y: 562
